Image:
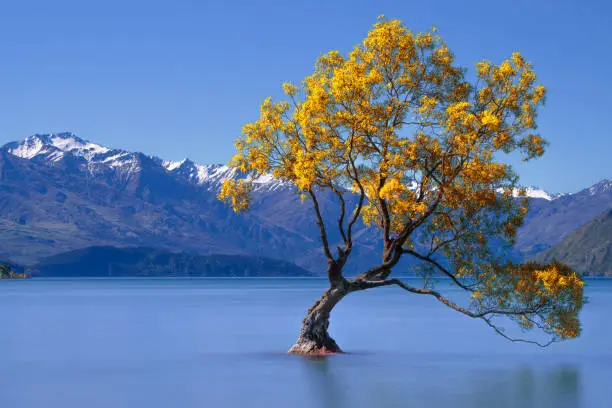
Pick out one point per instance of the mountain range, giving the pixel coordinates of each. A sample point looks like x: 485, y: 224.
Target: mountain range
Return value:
x: 61, y: 193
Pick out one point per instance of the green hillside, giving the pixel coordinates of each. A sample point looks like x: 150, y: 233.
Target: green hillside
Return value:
x: 588, y: 249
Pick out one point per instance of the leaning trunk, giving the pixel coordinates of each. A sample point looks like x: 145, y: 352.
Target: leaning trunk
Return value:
x: 314, y: 338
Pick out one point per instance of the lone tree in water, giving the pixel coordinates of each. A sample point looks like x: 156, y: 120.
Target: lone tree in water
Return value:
x: 398, y: 125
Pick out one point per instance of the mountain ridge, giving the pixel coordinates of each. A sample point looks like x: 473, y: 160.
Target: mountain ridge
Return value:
x: 56, y: 145
x: 67, y: 193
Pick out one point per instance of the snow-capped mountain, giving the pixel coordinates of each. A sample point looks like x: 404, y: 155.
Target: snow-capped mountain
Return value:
x: 604, y: 186
x: 55, y: 146
x: 97, y: 159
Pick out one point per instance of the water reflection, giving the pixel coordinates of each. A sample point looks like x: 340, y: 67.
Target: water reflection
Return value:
x: 324, y: 383
x: 354, y: 381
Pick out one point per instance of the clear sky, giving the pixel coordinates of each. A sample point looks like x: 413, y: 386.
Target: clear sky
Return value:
x: 179, y: 78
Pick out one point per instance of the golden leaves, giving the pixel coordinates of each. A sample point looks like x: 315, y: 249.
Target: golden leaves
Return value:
x: 504, y: 71
x: 290, y: 89
x: 428, y: 104
x: 237, y: 193
x: 239, y: 162
x: 532, y: 145
x: 518, y: 60
x: 305, y: 170
x: 483, y: 68
x: 538, y: 94
x: 556, y: 279
x: 458, y: 114
x: 560, y: 284
x: 477, y: 295
x: 443, y: 56
x: 424, y: 40
x: 490, y: 120
x: 549, y: 296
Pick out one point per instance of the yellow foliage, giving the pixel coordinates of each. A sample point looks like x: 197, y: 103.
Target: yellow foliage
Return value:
x: 290, y: 89
x: 490, y: 120
x: 427, y: 104
x: 237, y: 193
x: 397, y: 119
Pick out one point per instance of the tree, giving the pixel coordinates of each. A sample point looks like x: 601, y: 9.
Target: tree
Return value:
x: 398, y: 124
x: 5, y: 271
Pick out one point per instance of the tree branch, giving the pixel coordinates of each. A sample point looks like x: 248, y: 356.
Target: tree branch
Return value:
x: 361, y: 197
x: 361, y: 284
x: 341, y: 216
x: 374, y: 272
x: 499, y: 331
x: 439, y: 267
x: 321, y: 224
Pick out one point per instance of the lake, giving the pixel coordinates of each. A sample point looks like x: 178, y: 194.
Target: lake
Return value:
x: 221, y: 343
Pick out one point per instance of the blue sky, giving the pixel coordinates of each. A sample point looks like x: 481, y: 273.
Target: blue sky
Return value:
x: 179, y: 78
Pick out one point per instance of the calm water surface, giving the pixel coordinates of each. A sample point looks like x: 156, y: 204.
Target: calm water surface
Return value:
x: 221, y: 342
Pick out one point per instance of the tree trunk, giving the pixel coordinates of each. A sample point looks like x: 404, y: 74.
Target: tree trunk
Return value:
x: 314, y: 338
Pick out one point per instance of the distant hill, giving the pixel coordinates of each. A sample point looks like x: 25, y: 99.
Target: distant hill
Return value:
x: 108, y: 261
x: 548, y: 222
x: 588, y: 249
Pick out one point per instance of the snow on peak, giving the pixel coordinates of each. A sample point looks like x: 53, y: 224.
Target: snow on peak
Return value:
x: 173, y: 165
x: 71, y: 143
x: 533, y: 192
x: 601, y: 187
x: 54, y: 145
x: 30, y: 147
x: 213, y: 175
